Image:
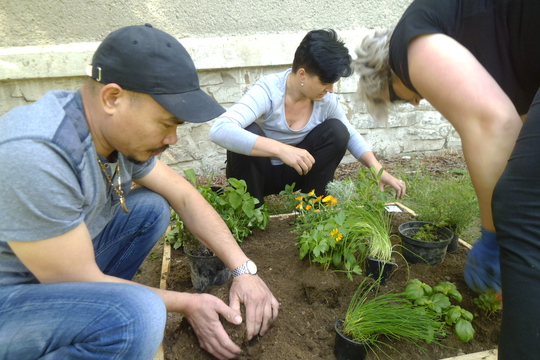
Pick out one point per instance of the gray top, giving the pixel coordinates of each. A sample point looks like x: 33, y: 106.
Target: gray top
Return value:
x: 264, y: 103
x: 50, y: 179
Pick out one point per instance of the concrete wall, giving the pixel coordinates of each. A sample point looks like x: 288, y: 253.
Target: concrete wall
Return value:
x: 45, y: 45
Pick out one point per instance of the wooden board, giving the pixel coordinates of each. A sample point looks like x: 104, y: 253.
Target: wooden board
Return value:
x: 165, y: 268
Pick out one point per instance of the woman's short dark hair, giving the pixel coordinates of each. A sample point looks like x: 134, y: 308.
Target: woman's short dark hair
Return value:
x: 322, y: 53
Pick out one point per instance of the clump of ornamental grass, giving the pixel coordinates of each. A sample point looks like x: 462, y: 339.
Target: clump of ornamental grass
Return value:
x: 376, y: 227
x: 373, y: 318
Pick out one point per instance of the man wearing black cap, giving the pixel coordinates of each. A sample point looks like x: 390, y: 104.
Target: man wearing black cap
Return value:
x: 72, y: 234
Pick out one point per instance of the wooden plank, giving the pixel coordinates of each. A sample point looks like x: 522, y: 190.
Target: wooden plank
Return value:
x: 466, y: 244
x: 165, y: 268
x: 482, y: 355
x: 404, y: 208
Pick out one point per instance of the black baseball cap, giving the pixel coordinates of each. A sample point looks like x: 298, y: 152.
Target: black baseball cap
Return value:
x: 147, y: 60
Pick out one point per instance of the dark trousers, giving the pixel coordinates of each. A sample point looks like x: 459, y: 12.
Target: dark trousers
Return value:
x: 516, y: 212
x: 327, y: 143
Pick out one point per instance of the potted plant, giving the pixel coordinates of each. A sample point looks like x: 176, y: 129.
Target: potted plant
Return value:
x: 237, y: 208
x: 424, y: 242
x: 450, y: 203
x: 375, y: 225
x: 372, y: 317
x: 364, y: 205
x: 205, y: 267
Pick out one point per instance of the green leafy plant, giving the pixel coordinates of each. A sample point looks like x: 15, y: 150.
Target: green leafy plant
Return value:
x: 179, y: 235
x: 489, y: 302
x: 449, y: 201
x: 337, y: 233
x: 324, y: 233
x: 361, y: 190
x: 233, y: 203
x: 374, y: 317
x: 437, y: 300
x: 428, y: 232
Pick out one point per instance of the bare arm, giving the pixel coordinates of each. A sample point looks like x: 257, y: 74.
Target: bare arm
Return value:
x: 70, y: 258
x: 206, y: 224
x: 457, y: 85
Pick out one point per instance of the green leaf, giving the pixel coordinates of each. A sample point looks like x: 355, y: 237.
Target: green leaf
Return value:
x: 464, y: 330
x: 414, y: 290
x: 191, y: 176
x: 467, y: 315
x: 336, y: 259
x: 248, y: 210
x: 441, y: 300
x: 453, y: 315
x: 235, y: 200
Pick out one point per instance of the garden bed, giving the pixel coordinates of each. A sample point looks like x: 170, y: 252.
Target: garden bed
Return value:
x: 311, y: 300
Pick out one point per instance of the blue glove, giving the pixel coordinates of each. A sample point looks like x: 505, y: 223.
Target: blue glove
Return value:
x: 482, y: 267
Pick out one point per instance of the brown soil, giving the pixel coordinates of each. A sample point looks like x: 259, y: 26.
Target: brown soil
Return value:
x: 311, y: 300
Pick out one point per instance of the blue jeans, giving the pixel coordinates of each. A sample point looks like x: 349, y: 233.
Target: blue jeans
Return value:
x: 93, y: 320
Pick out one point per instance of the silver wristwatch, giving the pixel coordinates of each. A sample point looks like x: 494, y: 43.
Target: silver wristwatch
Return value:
x: 248, y: 267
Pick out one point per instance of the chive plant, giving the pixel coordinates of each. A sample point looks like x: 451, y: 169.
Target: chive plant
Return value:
x: 390, y: 316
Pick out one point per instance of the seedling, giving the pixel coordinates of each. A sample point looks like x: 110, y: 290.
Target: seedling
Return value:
x: 489, y: 302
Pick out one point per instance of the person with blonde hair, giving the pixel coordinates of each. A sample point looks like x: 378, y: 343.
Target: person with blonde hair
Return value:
x: 291, y: 128
x: 478, y: 64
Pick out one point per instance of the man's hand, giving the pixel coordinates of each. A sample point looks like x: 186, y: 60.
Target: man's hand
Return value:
x: 203, y: 315
x: 482, y: 267
x: 261, y: 306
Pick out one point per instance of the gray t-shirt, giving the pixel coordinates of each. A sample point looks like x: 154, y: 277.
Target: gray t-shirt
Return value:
x: 50, y: 180
x: 264, y: 103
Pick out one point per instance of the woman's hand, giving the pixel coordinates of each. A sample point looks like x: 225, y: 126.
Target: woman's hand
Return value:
x: 399, y: 185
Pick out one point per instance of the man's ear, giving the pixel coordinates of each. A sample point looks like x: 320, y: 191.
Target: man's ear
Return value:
x: 110, y: 96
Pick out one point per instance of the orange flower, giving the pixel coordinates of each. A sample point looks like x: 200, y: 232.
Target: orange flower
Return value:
x: 308, y: 207
x: 330, y: 199
x: 311, y: 193
x: 300, y: 206
x: 317, y: 199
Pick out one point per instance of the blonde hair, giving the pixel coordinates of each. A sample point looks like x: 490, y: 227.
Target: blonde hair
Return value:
x: 371, y: 64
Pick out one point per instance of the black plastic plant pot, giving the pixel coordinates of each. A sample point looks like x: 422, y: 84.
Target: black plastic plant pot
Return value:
x: 345, y: 348
x: 418, y: 251
x: 207, y: 271
x: 378, y: 269
x: 453, y: 246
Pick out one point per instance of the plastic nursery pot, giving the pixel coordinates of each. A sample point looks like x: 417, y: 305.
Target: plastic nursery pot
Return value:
x: 345, y: 348
x: 207, y: 271
x: 418, y: 251
x: 453, y: 246
x: 379, y: 269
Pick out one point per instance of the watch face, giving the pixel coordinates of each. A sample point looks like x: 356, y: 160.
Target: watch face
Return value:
x: 252, y: 268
